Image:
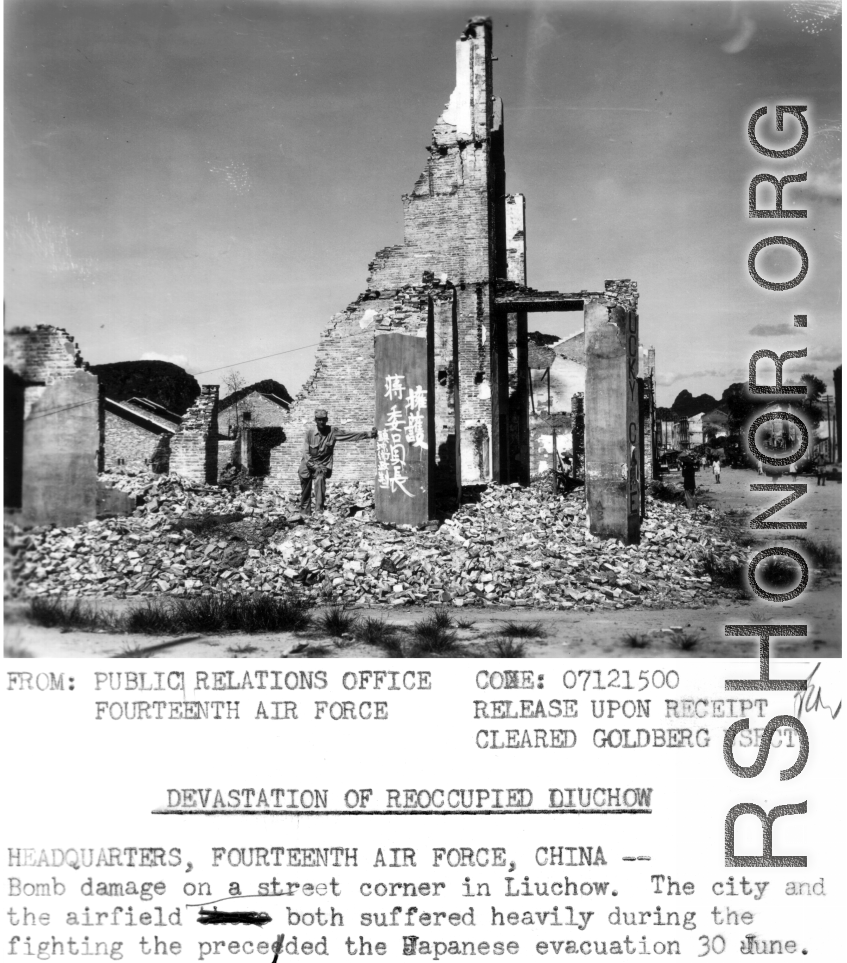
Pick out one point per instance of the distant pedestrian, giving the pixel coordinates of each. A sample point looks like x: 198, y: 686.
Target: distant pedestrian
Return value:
x: 820, y: 468
x: 703, y: 462
x: 316, y: 464
x: 759, y: 467
x: 716, y: 468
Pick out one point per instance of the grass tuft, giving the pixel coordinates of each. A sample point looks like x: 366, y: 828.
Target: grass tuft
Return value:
x: 434, y: 636
x: 151, y: 618
x: 522, y: 630
x: 685, y: 641
x: 820, y: 554
x: 465, y: 623
x: 337, y: 621
x: 52, y: 613
x: 635, y: 640
x: 229, y: 613
x: 382, y: 635
x: 263, y: 613
x: 507, y: 648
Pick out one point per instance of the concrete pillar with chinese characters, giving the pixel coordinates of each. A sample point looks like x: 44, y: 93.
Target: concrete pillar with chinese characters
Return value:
x: 612, y: 456
x: 405, y: 423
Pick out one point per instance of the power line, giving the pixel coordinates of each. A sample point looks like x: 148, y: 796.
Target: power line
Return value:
x: 263, y: 358
x: 55, y: 411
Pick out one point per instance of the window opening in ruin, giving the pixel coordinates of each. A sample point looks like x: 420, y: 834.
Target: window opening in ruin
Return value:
x: 479, y: 377
x: 442, y: 377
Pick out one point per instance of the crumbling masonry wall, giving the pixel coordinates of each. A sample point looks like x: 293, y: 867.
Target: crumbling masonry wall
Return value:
x: 57, y: 436
x: 449, y: 240
x: 194, y: 446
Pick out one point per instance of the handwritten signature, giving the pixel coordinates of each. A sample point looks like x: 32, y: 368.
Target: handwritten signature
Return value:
x: 811, y: 699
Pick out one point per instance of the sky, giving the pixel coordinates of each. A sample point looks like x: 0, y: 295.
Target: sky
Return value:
x: 206, y: 182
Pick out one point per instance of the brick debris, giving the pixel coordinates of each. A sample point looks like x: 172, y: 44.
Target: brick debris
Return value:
x: 506, y: 545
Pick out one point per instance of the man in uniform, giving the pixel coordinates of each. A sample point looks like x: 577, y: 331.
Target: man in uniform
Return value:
x: 318, y: 447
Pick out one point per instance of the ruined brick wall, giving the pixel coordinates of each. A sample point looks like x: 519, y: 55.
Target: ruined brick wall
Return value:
x: 194, y: 446
x: 343, y: 380
x: 41, y: 355
x: 448, y: 241
x: 132, y: 446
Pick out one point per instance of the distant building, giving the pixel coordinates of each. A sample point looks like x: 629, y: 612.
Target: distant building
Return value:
x: 250, y: 426
x: 256, y: 409
x: 138, y: 435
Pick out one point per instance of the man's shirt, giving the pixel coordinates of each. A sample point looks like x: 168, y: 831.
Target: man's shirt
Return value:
x: 318, y: 447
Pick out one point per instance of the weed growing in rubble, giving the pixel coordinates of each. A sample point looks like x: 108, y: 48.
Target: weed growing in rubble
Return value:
x: 722, y: 571
x: 434, y: 636
x: 53, y: 613
x: 636, y: 641
x: 507, y: 648
x: 465, y: 623
x: 522, y: 630
x: 336, y: 622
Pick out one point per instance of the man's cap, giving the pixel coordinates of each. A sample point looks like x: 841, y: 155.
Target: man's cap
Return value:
x: 321, y: 413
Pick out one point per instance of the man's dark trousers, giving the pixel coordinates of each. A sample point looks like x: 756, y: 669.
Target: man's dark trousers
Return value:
x: 307, y: 474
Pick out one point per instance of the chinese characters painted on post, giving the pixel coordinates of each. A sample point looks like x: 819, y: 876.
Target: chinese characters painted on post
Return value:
x: 391, y: 452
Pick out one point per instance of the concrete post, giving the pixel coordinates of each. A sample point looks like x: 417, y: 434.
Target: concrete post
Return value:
x: 612, y: 460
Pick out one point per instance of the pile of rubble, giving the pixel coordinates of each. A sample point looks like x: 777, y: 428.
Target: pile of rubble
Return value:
x: 507, y: 546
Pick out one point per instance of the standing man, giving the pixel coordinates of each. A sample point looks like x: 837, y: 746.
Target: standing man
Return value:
x: 689, y: 481
x: 820, y: 468
x: 318, y: 448
x: 716, y: 468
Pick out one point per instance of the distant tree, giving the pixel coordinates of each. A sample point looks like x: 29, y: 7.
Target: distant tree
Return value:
x: 235, y: 382
x: 162, y: 382
x: 739, y: 404
x: 687, y: 404
x: 811, y: 404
